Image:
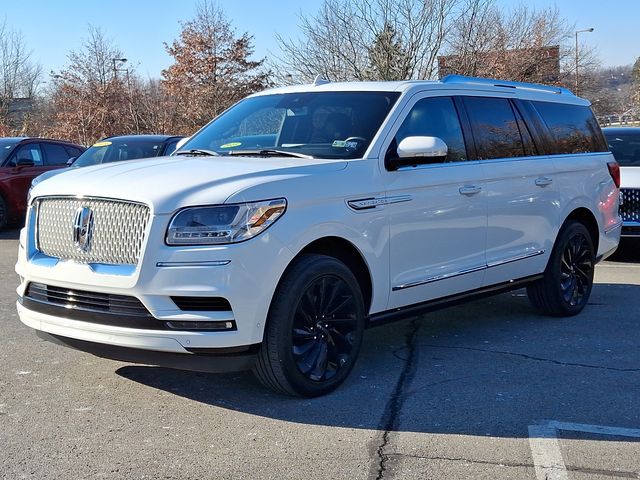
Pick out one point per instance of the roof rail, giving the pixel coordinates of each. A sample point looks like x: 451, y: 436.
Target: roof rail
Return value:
x: 506, y: 83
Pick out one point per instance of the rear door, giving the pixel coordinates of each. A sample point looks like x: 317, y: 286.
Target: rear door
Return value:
x: 522, y: 196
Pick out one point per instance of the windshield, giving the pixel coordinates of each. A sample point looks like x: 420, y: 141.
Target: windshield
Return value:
x: 115, y: 150
x: 333, y: 125
x: 625, y: 148
x: 6, y: 146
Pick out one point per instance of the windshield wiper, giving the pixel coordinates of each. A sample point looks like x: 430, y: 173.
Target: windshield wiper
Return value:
x: 198, y: 151
x: 266, y: 152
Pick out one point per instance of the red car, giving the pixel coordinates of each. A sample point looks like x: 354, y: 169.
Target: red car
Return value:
x: 22, y: 159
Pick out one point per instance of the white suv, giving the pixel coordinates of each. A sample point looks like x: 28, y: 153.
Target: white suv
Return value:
x: 305, y: 214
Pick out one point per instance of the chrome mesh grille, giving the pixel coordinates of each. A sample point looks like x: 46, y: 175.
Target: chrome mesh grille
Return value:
x: 630, y: 204
x: 117, y: 235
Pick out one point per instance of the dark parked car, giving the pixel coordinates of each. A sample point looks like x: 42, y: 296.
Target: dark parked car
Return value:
x: 116, y: 149
x: 21, y: 160
x: 624, y: 143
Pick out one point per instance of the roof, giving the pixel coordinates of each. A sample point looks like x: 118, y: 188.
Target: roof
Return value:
x: 160, y: 138
x: 529, y: 91
x: 22, y: 139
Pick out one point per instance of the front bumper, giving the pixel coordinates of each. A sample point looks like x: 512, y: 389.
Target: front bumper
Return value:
x: 222, y: 361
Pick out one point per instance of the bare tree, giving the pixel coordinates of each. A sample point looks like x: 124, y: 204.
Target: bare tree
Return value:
x: 635, y: 84
x: 354, y: 39
x: 19, y: 76
x: 522, y: 44
x: 90, y: 99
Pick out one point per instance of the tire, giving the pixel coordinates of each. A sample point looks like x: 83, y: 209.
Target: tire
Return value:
x: 4, y: 214
x: 314, y: 328
x: 568, y: 279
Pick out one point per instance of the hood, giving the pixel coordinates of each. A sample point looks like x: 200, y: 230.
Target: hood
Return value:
x: 169, y: 183
x: 630, y: 177
x: 48, y: 174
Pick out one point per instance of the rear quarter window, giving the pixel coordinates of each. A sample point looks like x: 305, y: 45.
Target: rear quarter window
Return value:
x: 573, y: 128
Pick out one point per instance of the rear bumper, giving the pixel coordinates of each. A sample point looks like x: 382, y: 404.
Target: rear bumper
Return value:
x: 630, y: 229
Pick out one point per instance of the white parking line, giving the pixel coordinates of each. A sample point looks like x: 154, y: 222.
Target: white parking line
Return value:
x: 545, y: 447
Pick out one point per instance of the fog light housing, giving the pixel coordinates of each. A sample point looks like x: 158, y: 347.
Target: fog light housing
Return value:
x: 203, y: 326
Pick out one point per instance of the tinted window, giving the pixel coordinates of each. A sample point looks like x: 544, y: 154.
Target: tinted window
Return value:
x: 31, y: 151
x: 55, y: 154
x: 625, y: 148
x: 573, y: 128
x: 73, y: 151
x: 435, y: 117
x: 495, y: 128
x: 6, y: 147
x: 171, y: 147
x: 117, y: 149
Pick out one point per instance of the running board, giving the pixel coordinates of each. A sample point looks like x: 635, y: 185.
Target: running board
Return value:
x: 401, y: 313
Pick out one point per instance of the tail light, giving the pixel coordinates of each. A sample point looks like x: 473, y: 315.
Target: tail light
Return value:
x: 614, y: 171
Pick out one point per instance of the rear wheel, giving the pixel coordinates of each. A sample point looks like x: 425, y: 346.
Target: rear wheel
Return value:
x: 568, y: 278
x: 314, y: 329
x: 4, y: 215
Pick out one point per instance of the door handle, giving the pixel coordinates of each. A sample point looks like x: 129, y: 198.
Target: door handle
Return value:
x: 543, y: 181
x: 469, y: 190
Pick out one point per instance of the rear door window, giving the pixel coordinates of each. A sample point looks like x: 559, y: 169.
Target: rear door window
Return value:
x: 495, y: 128
x: 55, y: 154
x: 573, y: 128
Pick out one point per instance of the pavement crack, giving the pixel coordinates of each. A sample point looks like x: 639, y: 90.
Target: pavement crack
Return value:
x: 537, y: 359
x: 464, y: 460
x: 390, y: 417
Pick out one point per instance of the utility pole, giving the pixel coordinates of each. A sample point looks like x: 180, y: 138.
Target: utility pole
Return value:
x: 577, y: 81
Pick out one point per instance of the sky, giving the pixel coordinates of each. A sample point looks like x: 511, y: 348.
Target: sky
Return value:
x: 52, y: 28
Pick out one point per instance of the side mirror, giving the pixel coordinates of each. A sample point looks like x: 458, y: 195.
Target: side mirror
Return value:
x: 70, y: 161
x: 25, y: 162
x: 418, y: 151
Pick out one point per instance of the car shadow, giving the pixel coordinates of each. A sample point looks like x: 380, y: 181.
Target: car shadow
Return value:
x: 628, y: 251
x: 491, y: 367
x: 12, y: 234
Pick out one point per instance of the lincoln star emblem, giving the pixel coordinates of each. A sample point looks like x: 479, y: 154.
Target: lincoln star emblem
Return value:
x: 82, y: 227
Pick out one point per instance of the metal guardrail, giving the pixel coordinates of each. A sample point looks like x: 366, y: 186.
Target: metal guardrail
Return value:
x: 619, y: 120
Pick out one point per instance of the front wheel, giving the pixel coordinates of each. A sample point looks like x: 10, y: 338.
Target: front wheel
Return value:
x: 568, y: 279
x: 314, y: 328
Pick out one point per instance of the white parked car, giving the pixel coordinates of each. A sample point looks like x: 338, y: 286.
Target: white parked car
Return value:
x: 624, y: 143
x: 303, y: 215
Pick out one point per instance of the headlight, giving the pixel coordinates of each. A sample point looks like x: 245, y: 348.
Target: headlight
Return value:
x: 223, y: 223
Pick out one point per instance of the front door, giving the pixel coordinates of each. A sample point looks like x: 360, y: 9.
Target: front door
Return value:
x: 437, y: 211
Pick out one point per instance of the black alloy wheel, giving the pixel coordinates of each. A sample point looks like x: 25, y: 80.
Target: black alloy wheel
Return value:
x: 566, y: 285
x: 314, y: 328
x: 576, y: 269
x: 324, y: 326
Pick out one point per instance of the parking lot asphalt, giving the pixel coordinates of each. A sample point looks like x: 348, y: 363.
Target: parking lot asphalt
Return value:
x: 487, y: 390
